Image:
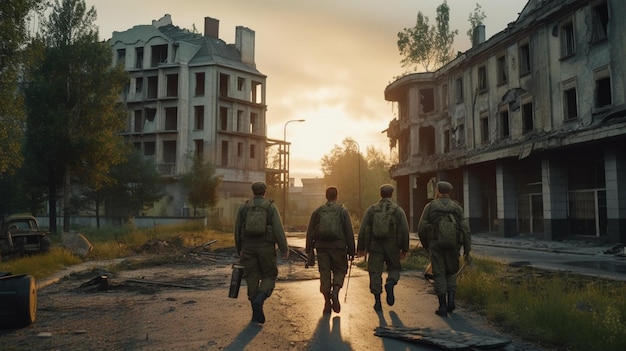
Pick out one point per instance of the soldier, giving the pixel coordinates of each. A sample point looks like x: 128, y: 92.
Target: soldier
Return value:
x: 330, y: 233
x: 258, y: 229
x: 438, y: 215
x: 384, y: 233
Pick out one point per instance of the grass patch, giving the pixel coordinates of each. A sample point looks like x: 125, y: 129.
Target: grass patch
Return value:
x: 41, y: 266
x: 555, y: 309
x: 116, y: 242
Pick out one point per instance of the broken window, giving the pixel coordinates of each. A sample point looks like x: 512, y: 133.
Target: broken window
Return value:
x: 150, y: 114
x: 224, y: 84
x: 482, y: 79
x: 139, y: 57
x: 159, y: 55
x: 199, y: 144
x: 224, y: 160
x: 484, y: 128
x: 121, y: 57
x: 200, y: 84
x: 138, y: 85
x: 527, y: 117
x: 603, y: 91
x: 570, y: 105
x: 255, y: 93
x: 138, y: 123
x: 171, y: 118
x: 254, y: 120
x: 460, y: 134
x: 505, y: 129
x: 153, y: 87
x: 252, y: 151
x: 446, y: 141
x: 459, y: 89
x: 427, y: 100
x: 169, y: 151
x: 223, y: 118
x: 239, y: 149
x: 238, y: 127
x: 502, y: 70
x: 172, y: 85
x: 240, y: 83
x: 198, y: 117
x: 568, y: 42
x: 524, y: 59
x: 600, y: 20
x: 427, y: 140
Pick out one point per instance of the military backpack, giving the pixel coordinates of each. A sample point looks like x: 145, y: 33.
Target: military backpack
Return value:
x: 447, y: 228
x: 329, y: 226
x: 257, y: 218
x: 384, y: 220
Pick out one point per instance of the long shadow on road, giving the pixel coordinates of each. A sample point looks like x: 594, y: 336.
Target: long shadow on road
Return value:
x: 327, y: 337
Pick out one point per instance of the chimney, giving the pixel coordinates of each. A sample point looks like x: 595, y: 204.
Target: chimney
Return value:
x: 244, y: 42
x: 478, y: 36
x: 211, y: 27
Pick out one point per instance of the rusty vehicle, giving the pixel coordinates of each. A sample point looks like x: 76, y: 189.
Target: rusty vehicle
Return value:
x: 21, y: 236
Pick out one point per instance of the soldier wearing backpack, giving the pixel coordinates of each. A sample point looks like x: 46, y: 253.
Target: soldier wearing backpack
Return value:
x: 330, y: 233
x: 443, y: 230
x: 384, y: 233
x: 258, y: 229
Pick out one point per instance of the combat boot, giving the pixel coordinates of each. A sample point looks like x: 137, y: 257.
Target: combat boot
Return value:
x: 391, y: 299
x: 327, y: 303
x: 451, y: 304
x: 377, y: 305
x: 334, y: 297
x: 257, y: 307
x: 443, y: 309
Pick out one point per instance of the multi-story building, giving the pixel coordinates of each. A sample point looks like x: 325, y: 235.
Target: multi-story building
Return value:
x: 193, y: 94
x: 529, y: 126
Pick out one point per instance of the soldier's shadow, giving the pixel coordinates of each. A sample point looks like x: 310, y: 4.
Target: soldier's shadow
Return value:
x: 327, y: 336
x: 244, y: 337
x: 388, y: 343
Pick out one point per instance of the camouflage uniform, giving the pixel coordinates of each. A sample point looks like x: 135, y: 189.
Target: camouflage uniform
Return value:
x: 445, y: 262
x: 332, y: 256
x: 384, y: 251
x: 258, y: 255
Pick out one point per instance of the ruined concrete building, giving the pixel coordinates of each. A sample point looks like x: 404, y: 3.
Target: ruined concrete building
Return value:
x: 193, y: 94
x: 529, y: 126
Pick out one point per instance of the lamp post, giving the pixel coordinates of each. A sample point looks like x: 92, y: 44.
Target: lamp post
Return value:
x: 358, y: 190
x: 286, y: 164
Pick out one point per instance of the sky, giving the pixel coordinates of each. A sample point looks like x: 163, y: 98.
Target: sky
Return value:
x: 326, y: 61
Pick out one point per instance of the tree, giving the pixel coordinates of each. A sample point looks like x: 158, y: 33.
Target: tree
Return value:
x: 74, y: 116
x: 201, y: 184
x: 475, y: 19
x: 137, y: 186
x: 357, y: 178
x: 13, y: 37
x: 427, y: 46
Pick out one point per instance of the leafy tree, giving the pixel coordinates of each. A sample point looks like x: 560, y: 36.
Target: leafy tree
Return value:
x: 475, y: 19
x: 13, y: 37
x: 201, y: 184
x: 73, y: 112
x: 427, y: 46
x: 137, y: 186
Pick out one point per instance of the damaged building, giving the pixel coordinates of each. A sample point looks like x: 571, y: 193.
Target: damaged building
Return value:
x: 527, y: 125
x: 193, y: 94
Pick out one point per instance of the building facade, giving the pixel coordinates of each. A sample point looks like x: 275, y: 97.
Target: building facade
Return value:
x: 529, y: 126
x: 193, y: 94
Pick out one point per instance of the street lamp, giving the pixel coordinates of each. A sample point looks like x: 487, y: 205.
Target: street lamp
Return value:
x: 286, y: 163
x: 358, y: 190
